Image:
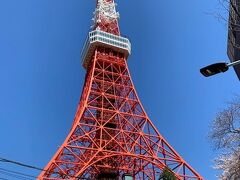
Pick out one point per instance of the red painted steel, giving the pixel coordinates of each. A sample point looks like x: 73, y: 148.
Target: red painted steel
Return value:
x: 111, y: 133
x: 110, y: 26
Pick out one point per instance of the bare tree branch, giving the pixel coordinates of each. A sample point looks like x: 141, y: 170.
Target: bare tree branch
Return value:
x: 225, y: 135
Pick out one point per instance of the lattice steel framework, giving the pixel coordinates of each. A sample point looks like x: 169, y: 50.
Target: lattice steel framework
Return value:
x: 111, y: 134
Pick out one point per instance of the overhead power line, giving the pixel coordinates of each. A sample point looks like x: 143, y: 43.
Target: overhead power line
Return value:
x: 15, y: 176
x: 21, y: 164
x: 19, y: 173
x: 27, y: 166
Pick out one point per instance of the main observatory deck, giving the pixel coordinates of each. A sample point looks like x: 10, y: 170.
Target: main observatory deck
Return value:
x: 98, y: 38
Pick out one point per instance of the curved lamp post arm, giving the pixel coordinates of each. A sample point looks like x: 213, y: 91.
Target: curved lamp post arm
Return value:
x: 233, y: 63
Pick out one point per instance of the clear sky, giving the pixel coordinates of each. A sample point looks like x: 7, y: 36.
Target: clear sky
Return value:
x: 41, y: 75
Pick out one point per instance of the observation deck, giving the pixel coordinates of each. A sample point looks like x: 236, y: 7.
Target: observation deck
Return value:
x: 98, y: 38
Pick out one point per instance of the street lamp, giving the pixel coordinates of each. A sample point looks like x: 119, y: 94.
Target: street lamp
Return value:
x: 217, y: 68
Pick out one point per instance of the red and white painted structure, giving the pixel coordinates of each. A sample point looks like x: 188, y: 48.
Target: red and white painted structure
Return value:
x: 112, y: 135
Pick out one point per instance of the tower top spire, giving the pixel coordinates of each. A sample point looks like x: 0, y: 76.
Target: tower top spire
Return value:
x: 105, y: 33
x: 106, y: 17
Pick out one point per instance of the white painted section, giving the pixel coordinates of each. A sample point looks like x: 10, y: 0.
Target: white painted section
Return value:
x: 105, y: 10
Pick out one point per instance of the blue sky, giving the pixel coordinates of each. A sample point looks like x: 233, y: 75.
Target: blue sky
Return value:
x: 41, y: 75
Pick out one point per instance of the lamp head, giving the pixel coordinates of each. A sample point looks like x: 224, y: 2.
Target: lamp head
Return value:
x: 214, y: 69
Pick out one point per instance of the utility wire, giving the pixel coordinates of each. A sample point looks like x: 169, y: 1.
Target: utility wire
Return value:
x: 21, y: 164
x: 14, y: 176
x: 29, y: 166
x: 19, y: 173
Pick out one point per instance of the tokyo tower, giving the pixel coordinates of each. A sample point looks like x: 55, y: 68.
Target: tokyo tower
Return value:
x: 112, y: 137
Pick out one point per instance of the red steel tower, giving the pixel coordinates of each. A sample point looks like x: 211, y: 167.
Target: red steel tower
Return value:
x: 112, y: 137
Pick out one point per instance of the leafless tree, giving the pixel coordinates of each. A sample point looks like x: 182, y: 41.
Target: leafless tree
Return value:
x: 227, y: 8
x: 225, y: 135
